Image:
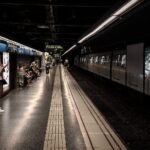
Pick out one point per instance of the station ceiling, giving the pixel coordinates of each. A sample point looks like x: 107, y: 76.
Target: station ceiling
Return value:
x: 62, y: 22
x: 36, y: 23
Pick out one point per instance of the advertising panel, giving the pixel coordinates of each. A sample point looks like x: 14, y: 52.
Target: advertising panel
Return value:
x: 119, y: 66
x: 20, y: 51
x: 104, y: 64
x: 147, y: 71
x: 6, y: 72
x: 135, y: 66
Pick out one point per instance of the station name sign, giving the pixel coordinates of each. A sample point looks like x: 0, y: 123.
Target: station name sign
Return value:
x: 54, y: 47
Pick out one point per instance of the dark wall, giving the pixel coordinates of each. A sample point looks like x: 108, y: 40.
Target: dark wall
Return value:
x: 13, y: 70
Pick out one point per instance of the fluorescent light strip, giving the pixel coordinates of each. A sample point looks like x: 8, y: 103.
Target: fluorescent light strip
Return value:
x: 99, y: 28
x: 72, y: 47
x: 111, y: 19
x: 126, y: 7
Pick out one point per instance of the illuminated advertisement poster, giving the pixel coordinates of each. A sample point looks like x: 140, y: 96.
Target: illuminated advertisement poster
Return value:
x: 147, y: 60
x: 6, y: 72
x: 147, y: 71
x: 119, y: 60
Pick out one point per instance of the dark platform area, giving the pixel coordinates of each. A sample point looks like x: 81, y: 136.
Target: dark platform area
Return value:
x: 126, y: 110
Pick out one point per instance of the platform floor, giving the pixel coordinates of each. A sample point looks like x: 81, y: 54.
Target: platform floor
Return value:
x: 54, y: 114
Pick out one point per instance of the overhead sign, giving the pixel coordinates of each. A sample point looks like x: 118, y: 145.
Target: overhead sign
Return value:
x: 3, y: 47
x: 54, y: 47
x: 12, y: 48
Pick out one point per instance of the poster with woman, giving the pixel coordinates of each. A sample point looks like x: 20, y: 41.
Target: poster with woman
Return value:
x: 6, y: 72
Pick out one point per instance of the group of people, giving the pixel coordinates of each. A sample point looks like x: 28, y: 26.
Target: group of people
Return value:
x: 27, y: 73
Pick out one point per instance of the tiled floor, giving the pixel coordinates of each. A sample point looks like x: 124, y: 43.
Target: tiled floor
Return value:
x: 54, y: 114
x: 99, y: 132
x: 55, y: 133
x: 23, y: 124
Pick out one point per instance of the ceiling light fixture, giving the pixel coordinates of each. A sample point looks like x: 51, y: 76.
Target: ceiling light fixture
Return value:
x: 124, y: 9
x: 43, y: 27
x: 113, y: 17
x: 72, y: 47
x: 99, y: 28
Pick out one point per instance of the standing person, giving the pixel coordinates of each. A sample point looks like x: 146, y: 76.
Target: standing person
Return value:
x: 47, y: 67
x: 21, y: 75
x: 66, y: 63
x: 2, y: 81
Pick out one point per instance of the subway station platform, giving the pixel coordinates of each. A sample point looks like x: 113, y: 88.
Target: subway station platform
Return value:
x: 54, y: 114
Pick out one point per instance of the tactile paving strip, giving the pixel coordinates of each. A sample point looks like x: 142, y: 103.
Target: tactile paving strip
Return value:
x: 92, y: 122
x: 55, y: 132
